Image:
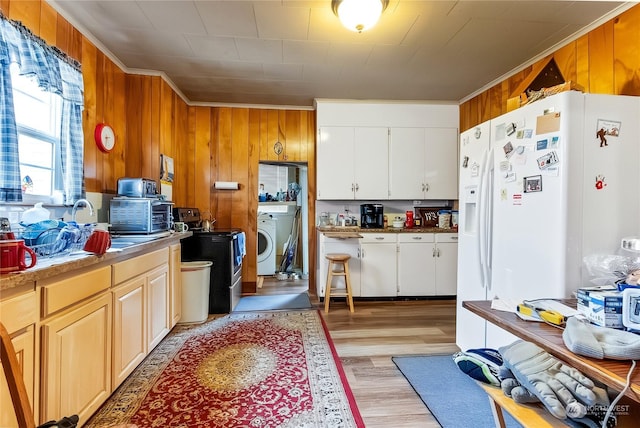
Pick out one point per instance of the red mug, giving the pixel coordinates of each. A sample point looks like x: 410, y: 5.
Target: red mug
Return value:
x: 12, y: 256
x: 99, y: 242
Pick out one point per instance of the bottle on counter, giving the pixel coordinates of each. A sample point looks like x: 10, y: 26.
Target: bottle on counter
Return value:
x: 385, y: 222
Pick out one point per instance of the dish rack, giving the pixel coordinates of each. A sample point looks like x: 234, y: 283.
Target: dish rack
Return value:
x: 58, y: 241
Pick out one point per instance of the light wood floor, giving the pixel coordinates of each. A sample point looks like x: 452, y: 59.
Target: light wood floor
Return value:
x: 367, y: 339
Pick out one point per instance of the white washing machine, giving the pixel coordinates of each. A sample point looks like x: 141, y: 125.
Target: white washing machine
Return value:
x: 266, y: 245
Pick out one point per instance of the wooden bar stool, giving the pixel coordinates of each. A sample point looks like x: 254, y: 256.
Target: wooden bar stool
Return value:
x: 335, y: 260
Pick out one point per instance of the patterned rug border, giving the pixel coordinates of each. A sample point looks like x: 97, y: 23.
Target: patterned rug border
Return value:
x: 126, y: 399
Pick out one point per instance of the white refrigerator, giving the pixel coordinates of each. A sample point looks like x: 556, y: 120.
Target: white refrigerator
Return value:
x: 540, y: 188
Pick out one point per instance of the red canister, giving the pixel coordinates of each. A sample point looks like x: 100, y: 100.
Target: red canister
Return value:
x: 408, y: 222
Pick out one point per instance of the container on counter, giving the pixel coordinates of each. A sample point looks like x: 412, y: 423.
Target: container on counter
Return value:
x: 444, y: 219
x: 454, y: 219
x: 408, y: 223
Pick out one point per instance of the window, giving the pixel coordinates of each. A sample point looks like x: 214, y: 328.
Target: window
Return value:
x: 275, y: 178
x: 48, y: 129
x: 38, y: 118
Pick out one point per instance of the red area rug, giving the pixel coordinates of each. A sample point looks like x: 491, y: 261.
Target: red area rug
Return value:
x: 260, y: 369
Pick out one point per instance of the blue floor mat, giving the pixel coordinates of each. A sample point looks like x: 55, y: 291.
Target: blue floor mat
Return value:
x: 453, y: 398
x: 273, y: 302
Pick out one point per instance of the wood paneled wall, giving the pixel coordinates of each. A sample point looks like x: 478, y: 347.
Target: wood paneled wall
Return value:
x: 227, y: 144
x: 604, y: 61
x: 207, y: 144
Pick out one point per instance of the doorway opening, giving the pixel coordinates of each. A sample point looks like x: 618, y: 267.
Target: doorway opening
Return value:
x: 283, y: 225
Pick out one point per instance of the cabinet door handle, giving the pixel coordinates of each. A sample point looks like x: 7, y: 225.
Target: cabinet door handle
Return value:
x: 433, y: 254
x: 357, y: 187
x: 426, y: 187
x: 379, y: 238
x: 438, y: 252
x: 353, y: 188
x: 417, y: 238
x: 358, y: 252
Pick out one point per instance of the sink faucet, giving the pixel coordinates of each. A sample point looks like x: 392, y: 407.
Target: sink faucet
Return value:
x: 77, y: 204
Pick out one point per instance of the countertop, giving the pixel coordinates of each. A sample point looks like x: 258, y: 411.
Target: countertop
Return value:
x: 347, y: 229
x: 609, y: 372
x: 51, y: 266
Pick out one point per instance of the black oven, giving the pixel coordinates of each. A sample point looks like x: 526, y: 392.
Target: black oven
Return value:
x: 224, y: 247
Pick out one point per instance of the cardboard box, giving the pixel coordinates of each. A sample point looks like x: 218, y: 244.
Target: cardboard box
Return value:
x: 601, y: 305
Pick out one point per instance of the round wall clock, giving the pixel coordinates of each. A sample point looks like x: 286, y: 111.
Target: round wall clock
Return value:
x: 105, y: 137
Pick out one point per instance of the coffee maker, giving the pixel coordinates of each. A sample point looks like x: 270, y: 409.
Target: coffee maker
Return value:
x: 371, y: 216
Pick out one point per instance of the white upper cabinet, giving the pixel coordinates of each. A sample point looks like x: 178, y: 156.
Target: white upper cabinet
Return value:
x: 352, y: 163
x: 380, y: 151
x: 423, y: 163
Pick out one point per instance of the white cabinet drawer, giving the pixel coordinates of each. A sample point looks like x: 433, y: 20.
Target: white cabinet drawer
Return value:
x: 415, y: 237
x: 378, y: 237
x: 447, y: 237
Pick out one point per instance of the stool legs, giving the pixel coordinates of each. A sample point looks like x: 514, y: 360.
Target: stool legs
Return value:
x: 347, y: 281
x: 327, y: 288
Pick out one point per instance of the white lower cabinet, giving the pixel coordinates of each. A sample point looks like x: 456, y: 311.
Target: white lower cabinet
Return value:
x: 378, y: 265
x: 446, y: 264
x: 395, y: 264
x: 349, y: 246
x: 416, y: 264
x: 427, y: 264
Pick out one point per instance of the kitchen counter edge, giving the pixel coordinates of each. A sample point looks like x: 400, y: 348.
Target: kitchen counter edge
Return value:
x: 72, y: 263
x: 347, y: 229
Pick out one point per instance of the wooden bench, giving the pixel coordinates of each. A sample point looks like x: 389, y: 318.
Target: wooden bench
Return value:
x: 528, y: 415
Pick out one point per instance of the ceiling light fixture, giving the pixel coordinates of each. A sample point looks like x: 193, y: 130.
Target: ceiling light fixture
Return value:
x: 359, y: 15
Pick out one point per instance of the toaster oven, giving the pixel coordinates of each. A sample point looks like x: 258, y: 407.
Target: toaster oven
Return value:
x: 139, y: 215
x: 137, y: 187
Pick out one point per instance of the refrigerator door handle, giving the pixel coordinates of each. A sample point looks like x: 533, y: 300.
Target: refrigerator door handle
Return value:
x: 484, y: 217
x: 479, y: 218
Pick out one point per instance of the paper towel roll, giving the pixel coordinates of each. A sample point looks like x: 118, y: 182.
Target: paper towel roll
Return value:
x: 226, y: 185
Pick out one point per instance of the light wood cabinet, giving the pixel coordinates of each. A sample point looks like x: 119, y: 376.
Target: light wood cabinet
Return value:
x: 378, y: 265
x: 141, y: 296
x: 158, y: 316
x: 175, y: 289
x: 19, y: 315
x: 130, y: 344
x: 76, y: 360
x: 352, y: 163
x: 79, y: 334
x: 423, y: 163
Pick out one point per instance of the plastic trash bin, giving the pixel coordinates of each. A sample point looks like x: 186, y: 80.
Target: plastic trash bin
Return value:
x: 195, y: 291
